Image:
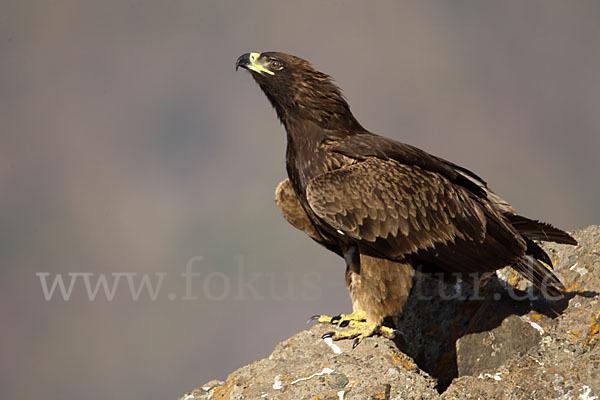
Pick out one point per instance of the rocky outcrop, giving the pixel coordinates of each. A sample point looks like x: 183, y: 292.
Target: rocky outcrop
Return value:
x: 493, y: 342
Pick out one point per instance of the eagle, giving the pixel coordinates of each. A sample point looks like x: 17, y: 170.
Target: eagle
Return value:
x: 386, y: 207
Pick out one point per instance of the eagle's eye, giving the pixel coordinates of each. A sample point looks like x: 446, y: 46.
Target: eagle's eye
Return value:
x: 275, y: 65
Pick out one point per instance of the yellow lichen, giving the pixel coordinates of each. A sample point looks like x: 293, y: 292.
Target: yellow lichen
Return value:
x: 594, y: 333
x: 488, y: 339
x: 572, y: 287
x: 404, y: 362
x: 222, y: 392
x: 216, y: 391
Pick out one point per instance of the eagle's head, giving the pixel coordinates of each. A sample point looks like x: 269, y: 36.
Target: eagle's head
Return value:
x: 298, y: 91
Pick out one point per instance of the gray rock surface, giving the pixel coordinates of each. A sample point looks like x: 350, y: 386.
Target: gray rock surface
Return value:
x: 472, y: 344
x: 485, y: 351
x: 305, y: 366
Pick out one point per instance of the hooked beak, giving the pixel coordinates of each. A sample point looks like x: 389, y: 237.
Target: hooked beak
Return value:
x: 252, y: 62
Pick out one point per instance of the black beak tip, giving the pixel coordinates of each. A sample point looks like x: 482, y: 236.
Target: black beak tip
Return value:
x: 242, y: 61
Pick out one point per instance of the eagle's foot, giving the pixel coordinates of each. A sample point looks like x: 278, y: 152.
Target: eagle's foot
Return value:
x: 360, y: 330
x: 342, y: 320
x: 359, y: 327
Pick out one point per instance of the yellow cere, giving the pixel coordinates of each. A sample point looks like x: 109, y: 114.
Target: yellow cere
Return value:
x: 257, y: 67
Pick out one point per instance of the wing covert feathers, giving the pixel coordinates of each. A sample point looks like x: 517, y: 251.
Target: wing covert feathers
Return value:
x: 394, y: 208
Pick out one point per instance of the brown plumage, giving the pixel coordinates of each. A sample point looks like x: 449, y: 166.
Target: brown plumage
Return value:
x: 386, y: 206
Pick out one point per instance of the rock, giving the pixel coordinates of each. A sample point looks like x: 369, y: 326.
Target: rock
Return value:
x: 337, y: 380
x: 486, y: 351
x: 431, y: 340
x: 481, y: 343
x: 305, y: 366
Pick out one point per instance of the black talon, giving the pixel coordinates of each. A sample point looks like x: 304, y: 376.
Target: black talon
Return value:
x: 356, y: 342
x: 397, y: 332
x: 335, y: 319
x: 327, y: 335
x: 314, y: 317
x: 344, y: 323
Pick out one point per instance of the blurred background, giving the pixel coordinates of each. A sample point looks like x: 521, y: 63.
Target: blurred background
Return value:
x: 131, y: 148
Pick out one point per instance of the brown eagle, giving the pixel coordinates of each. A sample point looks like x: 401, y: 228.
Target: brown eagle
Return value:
x: 386, y: 207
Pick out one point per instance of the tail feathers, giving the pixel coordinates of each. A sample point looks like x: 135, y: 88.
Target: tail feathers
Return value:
x: 533, y: 249
x: 536, y: 230
x: 540, y: 276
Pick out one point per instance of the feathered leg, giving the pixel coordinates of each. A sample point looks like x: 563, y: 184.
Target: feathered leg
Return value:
x: 378, y: 288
